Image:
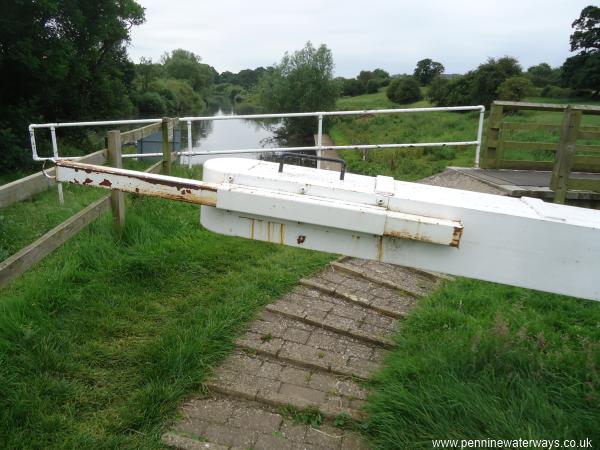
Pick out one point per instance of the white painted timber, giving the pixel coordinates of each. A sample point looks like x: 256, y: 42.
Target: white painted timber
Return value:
x: 522, y: 242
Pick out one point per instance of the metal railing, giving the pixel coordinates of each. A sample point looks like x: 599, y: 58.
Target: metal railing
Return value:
x: 318, y: 147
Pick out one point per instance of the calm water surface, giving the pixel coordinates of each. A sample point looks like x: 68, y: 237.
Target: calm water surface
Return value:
x: 235, y: 134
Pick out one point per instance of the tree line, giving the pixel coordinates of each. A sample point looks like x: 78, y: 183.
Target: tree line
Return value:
x: 67, y: 61
x: 503, y: 78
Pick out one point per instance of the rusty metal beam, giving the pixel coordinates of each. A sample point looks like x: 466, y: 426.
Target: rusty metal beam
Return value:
x: 172, y: 188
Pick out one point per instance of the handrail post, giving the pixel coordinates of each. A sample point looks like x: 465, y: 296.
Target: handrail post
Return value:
x: 479, y: 137
x: 117, y: 198
x: 565, y: 152
x: 493, y: 141
x: 59, y: 187
x: 166, y: 149
x: 189, y: 139
x: 320, y: 140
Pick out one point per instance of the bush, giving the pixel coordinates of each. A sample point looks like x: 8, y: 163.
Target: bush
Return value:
x: 515, y: 89
x: 151, y: 103
x: 404, y: 90
x: 438, y: 91
x: 178, y: 95
x: 477, y: 87
x: 352, y: 87
x: 555, y: 92
x: 373, y: 86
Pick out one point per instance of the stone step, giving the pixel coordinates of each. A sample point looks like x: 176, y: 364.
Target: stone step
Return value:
x: 332, y: 313
x: 350, y: 287
x: 221, y: 423
x: 433, y: 276
x: 385, y: 309
x: 310, y: 346
x: 412, y: 281
x: 273, y: 382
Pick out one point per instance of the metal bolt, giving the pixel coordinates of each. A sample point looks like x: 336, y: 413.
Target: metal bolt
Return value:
x: 230, y: 179
x: 380, y: 202
x: 303, y: 190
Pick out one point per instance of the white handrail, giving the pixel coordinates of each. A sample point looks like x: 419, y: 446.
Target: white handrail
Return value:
x: 318, y: 145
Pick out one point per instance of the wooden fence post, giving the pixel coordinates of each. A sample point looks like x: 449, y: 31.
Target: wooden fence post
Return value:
x: 493, y: 142
x: 166, y: 148
x: 117, y: 198
x: 565, y: 152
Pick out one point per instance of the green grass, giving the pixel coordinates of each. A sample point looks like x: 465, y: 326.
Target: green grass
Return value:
x: 409, y: 163
x: 477, y: 360
x: 23, y: 222
x: 101, y: 341
x: 416, y: 163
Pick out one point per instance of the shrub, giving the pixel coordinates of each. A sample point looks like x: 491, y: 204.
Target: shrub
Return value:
x: 352, y: 87
x: 151, y: 103
x: 373, y: 86
x: 438, y: 91
x: 515, y: 89
x: 404, y: 90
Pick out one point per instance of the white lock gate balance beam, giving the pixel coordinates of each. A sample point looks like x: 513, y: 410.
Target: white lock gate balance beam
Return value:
x: 522, y: 242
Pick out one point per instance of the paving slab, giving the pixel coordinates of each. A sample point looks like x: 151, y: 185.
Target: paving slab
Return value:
x: 257, y: 377
x: 250, y: 425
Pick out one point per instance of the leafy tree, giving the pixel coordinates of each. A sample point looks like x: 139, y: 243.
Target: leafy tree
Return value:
x: 427, y: 70
x: 404, y: 90
x: 147, y: 72
x: 151, y: 103
x: 62, y: 61
x: 515, y: 89
x: 489, y: 76
x: 438, y: 91
x: 377, y: 78
x: 352, y: 87
x: 582, y: 71
x: 185, y: 65
x: 543, y: 75
x: 302, y: 81
x: 586, y: 37
x: 247, y: 78
x: 373, y: 86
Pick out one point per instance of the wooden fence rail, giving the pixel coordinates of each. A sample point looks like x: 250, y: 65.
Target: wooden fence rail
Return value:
x: 17, y: 264
x: 27, y: 187
x: 569, y: 155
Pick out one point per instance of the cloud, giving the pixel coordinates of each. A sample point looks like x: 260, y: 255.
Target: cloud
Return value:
x: 394, y: 35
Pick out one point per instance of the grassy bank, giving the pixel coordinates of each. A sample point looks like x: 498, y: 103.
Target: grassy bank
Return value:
x: 101, y: 341
x: 23, y: 222
x: 416, y: 163
x: 408, y: 163
x: 483, y: 361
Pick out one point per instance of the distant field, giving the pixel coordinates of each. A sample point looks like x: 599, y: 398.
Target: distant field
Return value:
x: 412, y: 164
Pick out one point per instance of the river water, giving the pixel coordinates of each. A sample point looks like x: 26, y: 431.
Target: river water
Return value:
x: 233, y: 134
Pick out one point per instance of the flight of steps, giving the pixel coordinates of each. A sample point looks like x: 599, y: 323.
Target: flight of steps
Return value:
x: 313, y: 348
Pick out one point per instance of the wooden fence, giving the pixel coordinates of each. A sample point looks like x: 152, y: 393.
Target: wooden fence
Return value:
x: 27, y: 187
x: 17, y: 264
x: 568, y: 155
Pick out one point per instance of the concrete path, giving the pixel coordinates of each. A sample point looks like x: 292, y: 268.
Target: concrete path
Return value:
x: 313, y: 348
x: 530, y: 183
x: 326, y: 165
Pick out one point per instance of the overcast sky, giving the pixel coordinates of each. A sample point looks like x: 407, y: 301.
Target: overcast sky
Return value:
x: 366, y: 34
